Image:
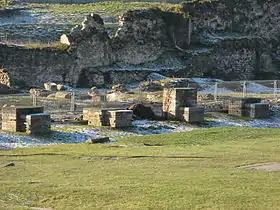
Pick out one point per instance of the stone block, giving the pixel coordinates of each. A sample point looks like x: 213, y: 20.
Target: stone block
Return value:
x: 192, y: 114
x: 39, y: 123
x: 120, y: 118
x: 14, y: 118
x: 50, y: 86
x: 175, y: 98
x: 96, y: 117
x: 257, y: 110
x: 63, y: 95
x: 98, y: 140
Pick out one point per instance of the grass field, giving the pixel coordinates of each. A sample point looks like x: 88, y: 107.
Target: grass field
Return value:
x: 106, y: 9
x: 194, y: 170
x: 4, y: 3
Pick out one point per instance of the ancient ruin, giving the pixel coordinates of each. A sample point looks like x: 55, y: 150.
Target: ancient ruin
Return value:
x: 248, y: 107
x: 106, y: 117
x: 223, y: 43
x: 181, y: 104
x: 31, y: 120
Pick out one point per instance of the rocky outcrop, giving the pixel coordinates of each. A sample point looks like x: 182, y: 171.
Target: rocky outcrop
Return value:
x: 224, y: 39
x: 29, y: 67
x: 143, y: 35
x: 243, y: 36
x: 147, y: 34
x: 90, y: 43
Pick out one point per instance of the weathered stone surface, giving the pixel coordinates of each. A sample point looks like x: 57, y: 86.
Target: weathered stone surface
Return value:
x: 257, y: 110
x: 63, y: 94
x: 96, y: 117
x: 176, y: 98
x: 248, y: 107
x: 32, y: 67
x: 39, y: 123
x: 120, y: 118
x: 192, y: 114
x: 14, y: 118
x: 5, y: 78
x: 61, y: 87
x: 51, y: 86
x: 229, y: 40
x: 248, y: 30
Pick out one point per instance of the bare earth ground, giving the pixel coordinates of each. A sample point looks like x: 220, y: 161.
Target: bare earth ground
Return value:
x: 263, y: 166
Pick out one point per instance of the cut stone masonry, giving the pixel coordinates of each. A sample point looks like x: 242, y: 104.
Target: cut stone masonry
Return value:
x: 25, y: 119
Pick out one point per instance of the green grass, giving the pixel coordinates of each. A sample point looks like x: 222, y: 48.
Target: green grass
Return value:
x: 108, y: 9
x: 100, y: 176
x: 5, y: 3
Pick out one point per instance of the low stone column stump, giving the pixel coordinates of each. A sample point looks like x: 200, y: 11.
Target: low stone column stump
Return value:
x: 120, y: 118
x: 96, y: 117
x: 257, y: 110
x: 237, y: 106
x: 175, y: 98
x: 14, y: 117
x: 38, y: 123
x: 192, y: 114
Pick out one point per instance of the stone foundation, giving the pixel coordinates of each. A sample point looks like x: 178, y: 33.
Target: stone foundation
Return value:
x: 176, y: 98
x: 14, y: 118
x: 38, y: 123
x: 192, y: 114
x: 248, y: 107
x: 120, y: 118
x: 96, y: 117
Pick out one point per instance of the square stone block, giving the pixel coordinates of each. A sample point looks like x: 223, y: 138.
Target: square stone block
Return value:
x: 175, y: 98
x: 14, y: 117
x: 120, y: 118
x: 39, y: 123
x: 257, y: 110
x: 192, y: 114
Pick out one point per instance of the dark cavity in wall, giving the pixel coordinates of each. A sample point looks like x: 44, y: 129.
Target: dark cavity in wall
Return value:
x: 83, y: 81
x: 107, y: 78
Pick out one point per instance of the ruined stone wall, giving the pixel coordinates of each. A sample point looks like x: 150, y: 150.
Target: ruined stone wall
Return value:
x: 233, y: 21
x: 230, y: 40
x: 33, y: 67
x: 258, y: 18
x: 147, y: 34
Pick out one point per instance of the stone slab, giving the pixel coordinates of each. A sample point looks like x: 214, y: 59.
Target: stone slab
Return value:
x: 192, y: 114
x: 39, y: 123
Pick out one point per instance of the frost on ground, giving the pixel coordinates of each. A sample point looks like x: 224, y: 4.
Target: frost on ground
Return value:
x: 80, y: 134
x: 225, y: 120
x: 73, y: 133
